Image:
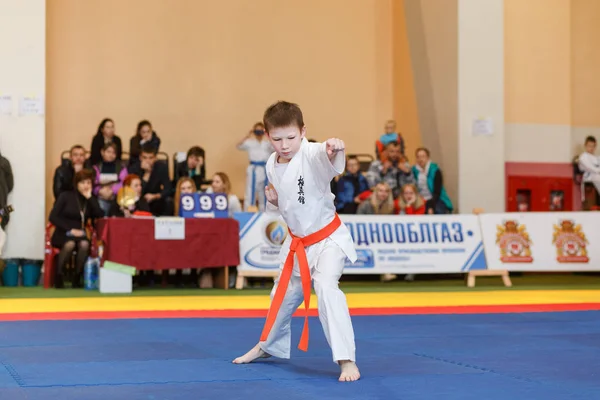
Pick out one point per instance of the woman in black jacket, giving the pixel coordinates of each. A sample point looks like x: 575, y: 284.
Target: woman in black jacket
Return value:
x: 70, y: 214
x: 144, y: 134
x: 105, y: 135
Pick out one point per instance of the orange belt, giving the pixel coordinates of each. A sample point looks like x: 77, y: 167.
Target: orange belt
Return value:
x: 297, y: 247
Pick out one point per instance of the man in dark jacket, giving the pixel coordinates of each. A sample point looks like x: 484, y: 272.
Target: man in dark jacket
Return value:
x: 64, y: 173
x: 156, y: 185
x: 6, y: 186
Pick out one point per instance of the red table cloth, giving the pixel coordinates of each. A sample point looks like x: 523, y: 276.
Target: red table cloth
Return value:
x: 207, y: 243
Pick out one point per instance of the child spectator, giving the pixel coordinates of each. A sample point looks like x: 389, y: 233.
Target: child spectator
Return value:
x: 390, y: 136
x: 410, y: 201
x: 349, y: 186
x: 589, y: 163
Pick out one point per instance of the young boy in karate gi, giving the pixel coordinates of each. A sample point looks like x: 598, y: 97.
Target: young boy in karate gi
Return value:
x: 318, y: 243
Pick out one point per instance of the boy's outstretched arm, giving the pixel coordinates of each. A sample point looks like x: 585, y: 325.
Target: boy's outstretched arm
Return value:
x: 334, y: 146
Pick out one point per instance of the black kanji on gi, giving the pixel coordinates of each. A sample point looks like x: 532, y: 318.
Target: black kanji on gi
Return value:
x: 301, y: 190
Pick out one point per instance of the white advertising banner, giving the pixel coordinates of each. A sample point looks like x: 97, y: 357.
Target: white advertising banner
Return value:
x: 384, y: 244
x: 552, y: 241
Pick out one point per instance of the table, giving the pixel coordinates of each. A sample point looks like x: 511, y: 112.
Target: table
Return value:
x: 208, y: 243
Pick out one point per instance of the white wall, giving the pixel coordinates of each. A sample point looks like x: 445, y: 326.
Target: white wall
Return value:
x: 22, y: 138
x: 538, y: 143
x: 481, y: 94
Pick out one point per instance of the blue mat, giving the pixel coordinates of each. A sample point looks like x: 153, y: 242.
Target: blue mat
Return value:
x: 500, y: 356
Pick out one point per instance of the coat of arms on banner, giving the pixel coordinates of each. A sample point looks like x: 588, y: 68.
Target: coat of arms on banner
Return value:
x: 570, y: 242
x: 514, y: 242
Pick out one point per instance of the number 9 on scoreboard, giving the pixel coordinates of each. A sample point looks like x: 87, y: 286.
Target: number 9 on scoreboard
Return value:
x: 204, y: 205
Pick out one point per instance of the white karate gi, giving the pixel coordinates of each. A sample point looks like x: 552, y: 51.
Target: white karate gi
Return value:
x: 258, y: 153
x: 590, y: 165
x: 310, y: 173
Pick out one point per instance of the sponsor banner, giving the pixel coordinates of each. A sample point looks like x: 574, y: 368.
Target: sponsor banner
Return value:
x: 384, y: 244
x: 553, y: 241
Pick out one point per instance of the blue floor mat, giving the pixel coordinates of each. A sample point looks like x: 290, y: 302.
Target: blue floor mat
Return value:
x: 486, y: 356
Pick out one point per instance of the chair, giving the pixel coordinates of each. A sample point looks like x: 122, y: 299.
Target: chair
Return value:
x: 364, y: 161
x: 161, y: 155
x: 51, y: 252
x: 590, y: 198
x: 66, y: 155
x: 178, y: 157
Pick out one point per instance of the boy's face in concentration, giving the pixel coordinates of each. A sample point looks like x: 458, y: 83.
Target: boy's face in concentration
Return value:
x: 286, y: 141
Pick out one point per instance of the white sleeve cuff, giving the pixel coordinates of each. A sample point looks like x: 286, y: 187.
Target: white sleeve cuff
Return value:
x: 338, y: 163
x: 271, y: 209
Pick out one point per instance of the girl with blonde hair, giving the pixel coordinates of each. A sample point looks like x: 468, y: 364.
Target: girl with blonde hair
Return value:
x: 380, y: 202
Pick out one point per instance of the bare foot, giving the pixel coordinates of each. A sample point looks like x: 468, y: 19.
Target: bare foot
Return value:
x: 253, y: 354
x: 350, y: 371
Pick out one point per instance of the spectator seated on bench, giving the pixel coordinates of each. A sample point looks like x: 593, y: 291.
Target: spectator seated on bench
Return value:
x: 70, y: 215
x: 349, y: 187
x: 191, y: 167
x: 140, y: 207
x: 65, y: 172
x: 105, y: 134
x: 589, y: 164
x: 144, y: 135
x: 395, y: 170
x: 109, y: 176
x: 156, y: 185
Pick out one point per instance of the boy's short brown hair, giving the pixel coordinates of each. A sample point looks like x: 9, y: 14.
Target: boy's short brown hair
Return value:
x: 283, y: 114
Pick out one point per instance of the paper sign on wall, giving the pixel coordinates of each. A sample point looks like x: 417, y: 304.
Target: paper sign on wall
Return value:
x: 6, y: 104
x: 483, y: 126
x: 31, y: 105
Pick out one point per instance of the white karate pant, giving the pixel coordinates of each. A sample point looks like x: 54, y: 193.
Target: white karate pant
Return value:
x: 326, y: 261
x: 256, y: 178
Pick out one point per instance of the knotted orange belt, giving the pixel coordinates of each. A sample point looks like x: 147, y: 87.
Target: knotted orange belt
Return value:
x: 297, y: 247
